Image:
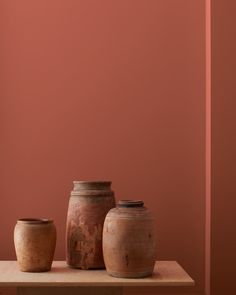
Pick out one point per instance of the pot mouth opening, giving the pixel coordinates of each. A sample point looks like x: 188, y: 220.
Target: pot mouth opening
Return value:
x: 130, y: 203
x: 34, y: 220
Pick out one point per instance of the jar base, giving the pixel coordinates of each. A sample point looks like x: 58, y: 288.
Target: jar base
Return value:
x: 83, y: 268
x: 129, y: 275
x: 36, y: 270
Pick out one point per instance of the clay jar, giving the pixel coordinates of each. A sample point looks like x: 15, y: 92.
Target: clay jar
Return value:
x: 35, y: 241
x: 129, y: 240
x: 88, y: 205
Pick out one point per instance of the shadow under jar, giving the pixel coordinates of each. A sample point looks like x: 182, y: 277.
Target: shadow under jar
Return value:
x: 88, y: 205
x: 129, y: 242
x: 35, y: 241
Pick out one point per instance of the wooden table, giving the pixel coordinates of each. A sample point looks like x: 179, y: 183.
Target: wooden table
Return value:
x: 64, y: 280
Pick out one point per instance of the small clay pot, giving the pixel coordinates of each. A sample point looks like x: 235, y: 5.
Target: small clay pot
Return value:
x: 129, y: 240
x: 88, y: 205
x: 35, y: 241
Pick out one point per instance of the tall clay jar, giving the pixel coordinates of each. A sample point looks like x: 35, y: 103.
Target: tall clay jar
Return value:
x: 129, y: 240
x: 89, y: 203
x: 35, y: 241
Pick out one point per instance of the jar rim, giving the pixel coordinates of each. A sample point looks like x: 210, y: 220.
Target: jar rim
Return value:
x: 34, y: 220
x: 92, y: 182
x: 130, y: 203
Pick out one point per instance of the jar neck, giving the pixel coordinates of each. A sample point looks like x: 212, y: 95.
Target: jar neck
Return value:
x: 92, y: 185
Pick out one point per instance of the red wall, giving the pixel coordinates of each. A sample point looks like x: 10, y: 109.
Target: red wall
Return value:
x: 105, y: 90
x: 208, y: 151
x: 223, y: 239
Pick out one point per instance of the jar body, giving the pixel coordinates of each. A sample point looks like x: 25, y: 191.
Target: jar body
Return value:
x: 35, y: 241
x: 129, y: 242
x: 88, y: 206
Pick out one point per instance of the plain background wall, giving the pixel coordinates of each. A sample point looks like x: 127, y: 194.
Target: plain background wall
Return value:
x: 105, y: 90
x: 223, y: 247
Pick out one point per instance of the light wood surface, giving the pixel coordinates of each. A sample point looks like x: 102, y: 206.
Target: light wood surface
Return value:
x: 166, y: 273
x: 69, y: 291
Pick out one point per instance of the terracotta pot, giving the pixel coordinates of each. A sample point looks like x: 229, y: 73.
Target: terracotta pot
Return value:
x: 35, y: 241
x: 88, y: 206
x: 129, y: 240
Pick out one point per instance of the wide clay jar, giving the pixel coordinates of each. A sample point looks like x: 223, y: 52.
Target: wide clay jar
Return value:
x: 129, y: 240
x: 89, y: 203
x: 35, y: 241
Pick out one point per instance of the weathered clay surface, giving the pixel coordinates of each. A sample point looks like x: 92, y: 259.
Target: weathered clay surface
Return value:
x: 35, y: 241
x: 86, y: 214
x: 129, y: 243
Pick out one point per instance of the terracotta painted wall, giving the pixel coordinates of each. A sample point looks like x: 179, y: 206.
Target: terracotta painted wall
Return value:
x: 223, y: 222
x: 105, y: 90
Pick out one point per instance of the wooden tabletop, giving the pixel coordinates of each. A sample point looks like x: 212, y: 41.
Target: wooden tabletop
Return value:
x: 166, y: 273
